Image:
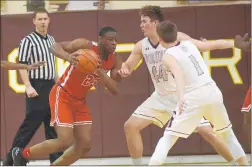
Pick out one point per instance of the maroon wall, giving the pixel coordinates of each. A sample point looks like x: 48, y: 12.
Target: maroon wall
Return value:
x: 109, y: 113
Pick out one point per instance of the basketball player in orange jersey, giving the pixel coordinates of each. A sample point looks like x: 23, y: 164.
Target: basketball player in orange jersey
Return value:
x: 158, y: 108
x: 16, y: 66
x: 245, y: 44
x: 70, y: 114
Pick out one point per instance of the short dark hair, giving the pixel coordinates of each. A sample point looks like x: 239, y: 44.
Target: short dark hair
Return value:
x: 153, y: 12
x: 104, y: 30
x: 39, y: 10
x: 167, y: 31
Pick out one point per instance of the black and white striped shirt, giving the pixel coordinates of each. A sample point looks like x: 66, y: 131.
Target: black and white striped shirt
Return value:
x: 35, y: 48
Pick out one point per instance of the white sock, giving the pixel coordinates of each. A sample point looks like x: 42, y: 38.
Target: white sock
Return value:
x: 233, y: 144
x: 162, y: 149
x: 234, y: 163
x: 137, y: 161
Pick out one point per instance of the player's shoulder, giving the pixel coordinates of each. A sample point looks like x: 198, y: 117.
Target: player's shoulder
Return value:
x: 186, y: 42
x: 140, y: 42
x: 144, y: 39
x: 175, y: 49
x: 138, y: 46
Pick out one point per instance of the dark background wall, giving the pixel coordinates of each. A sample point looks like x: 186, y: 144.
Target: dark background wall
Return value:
x: 110, y: 113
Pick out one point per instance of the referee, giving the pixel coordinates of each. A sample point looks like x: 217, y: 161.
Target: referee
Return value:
x: 38, y: 83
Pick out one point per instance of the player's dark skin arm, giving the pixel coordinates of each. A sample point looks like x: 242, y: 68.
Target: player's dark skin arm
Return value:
x: 109, y: 83
x: 114, y: 76
x: 117, y: 66
x: 66, y: 50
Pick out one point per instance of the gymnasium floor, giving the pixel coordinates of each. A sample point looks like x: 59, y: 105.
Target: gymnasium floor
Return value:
x: 199, y: 160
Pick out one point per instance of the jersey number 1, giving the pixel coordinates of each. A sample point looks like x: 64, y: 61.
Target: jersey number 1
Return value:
x: 196, y: 65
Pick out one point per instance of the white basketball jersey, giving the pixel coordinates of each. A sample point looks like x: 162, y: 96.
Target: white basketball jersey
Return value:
x: 162, y: 79
x: 192, y: 64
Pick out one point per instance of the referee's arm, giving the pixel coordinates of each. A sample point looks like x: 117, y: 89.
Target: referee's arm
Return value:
x: 24, y: 54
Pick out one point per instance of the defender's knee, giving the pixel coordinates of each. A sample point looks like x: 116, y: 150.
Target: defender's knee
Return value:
x: 236, y: 149
x: 207, y: 134
x: 135, y: 124
x: 129, y: 127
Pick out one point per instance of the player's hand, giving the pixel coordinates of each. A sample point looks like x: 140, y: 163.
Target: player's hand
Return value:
x: 124, y: 71
x: 72, y: 58
x: 36, y: 65
x: 181, y: 107
x: 241, y: 41
x: 31, y: 92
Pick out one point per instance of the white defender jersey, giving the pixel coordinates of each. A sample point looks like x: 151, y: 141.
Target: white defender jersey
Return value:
x: 192, y: 64
x: 162, y: 79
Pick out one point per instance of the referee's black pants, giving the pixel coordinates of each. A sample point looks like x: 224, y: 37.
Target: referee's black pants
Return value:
x: 37, y: 111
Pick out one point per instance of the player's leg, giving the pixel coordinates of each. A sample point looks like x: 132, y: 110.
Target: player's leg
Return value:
x: 237, y: 151
x: 164, y: 145
x: 132, y: 128
x: 82, y: 135
x: 82, y: 146
x: 62, y: 121
x: 223, y: 128
x: 50, y: 133
x: 179, y: 126
x: 216, y: 142
x: 247, y: 127
x: 149, y: 112
x: 64, y: 141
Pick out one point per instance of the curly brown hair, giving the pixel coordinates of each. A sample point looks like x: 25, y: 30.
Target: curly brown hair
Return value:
x: 153, y: 12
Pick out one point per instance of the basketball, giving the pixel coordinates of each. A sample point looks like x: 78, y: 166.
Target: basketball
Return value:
x: 88, y: 61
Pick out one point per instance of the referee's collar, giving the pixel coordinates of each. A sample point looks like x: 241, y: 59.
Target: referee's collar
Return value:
x: 41, y: 36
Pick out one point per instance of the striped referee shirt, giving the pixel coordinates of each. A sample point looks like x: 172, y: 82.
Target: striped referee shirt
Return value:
x: 35, y: 48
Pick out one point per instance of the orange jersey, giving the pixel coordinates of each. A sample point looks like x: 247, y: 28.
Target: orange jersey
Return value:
x: 77, y: 83
x: 247, y: 102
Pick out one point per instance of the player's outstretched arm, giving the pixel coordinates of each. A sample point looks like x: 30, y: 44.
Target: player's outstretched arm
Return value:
x: 171, y: 63
x: 16, y: 66
x: 207, y: 45
x: 243, y: 42
x: 132, y: 61
x: 68, y: 50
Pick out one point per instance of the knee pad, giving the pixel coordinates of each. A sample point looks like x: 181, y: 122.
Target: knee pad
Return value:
x: 163, y: 147
x: 233, y: 144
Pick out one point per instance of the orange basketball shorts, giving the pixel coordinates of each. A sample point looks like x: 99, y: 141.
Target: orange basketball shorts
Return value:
x: 247, y: 102
x: 66, y: 110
